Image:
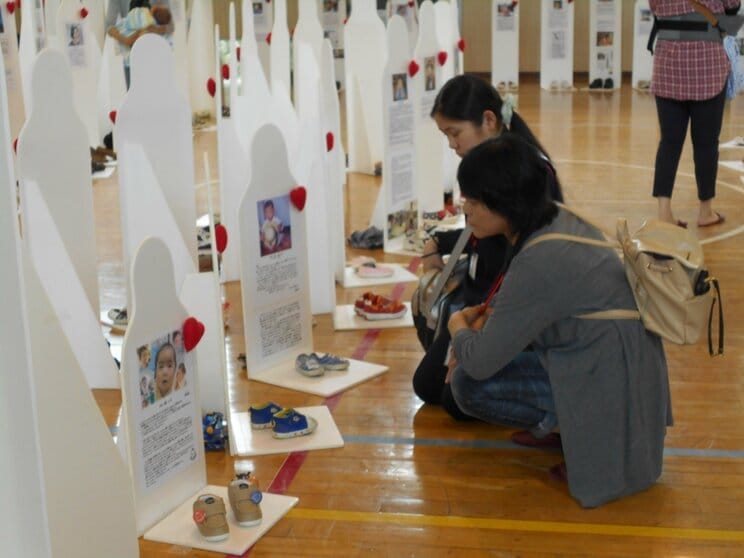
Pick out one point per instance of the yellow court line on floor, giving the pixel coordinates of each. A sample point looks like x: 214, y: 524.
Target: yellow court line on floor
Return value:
x: 517, y: 525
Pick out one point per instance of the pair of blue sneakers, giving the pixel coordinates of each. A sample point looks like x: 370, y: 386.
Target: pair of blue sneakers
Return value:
x: 314, y: 364
x: 285, y: 423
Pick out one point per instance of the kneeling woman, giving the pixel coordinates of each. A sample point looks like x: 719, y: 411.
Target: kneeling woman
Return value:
x: 603, y: 382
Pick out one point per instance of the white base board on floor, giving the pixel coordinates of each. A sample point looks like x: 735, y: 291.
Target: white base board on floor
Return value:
x: 249, y: 442
x: 737, y: 166
x: 400, y: 275
x: 345, y: 318
x: 735, y: 143
x: 330, y: 383
x: 179, y: 528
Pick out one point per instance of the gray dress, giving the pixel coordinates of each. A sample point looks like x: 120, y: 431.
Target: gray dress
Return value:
x: 608, y: 377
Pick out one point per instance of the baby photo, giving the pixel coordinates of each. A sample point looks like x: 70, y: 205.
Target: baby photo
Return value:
x: 274, y: 225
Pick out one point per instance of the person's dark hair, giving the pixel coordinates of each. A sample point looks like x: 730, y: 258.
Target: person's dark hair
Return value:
x: 157, y: 355
x: 508, y: 175
x: 161, y: 14
x: 466, y: 97
x: 268, y: 203
x: 139, y: 4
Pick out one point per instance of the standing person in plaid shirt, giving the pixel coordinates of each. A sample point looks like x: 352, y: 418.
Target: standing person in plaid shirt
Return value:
x: 689, y: 82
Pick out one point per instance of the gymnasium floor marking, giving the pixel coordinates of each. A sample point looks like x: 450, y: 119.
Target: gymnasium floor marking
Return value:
x: 600, y: 529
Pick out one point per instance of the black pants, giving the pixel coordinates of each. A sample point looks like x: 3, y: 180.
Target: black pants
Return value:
x: 705, y: 118
x: 428, y: 380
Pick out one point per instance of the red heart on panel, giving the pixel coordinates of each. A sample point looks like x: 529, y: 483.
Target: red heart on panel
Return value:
x: 461, y: 45
x: 83, y: 12
x: 112, y: 116
x: 225, y: 71
x: 411, y: 4
x: 15, y: 145
x: 237, y: 52
x: 298, y: 197
x: 193, y: 331
x: 268, y: 37
x: 211, y: 87
x: 514, y: 3
x: 442, y: 57
x: 220, y: 236
x: 291, y: 32
x: 346, y: 19
x: 10, y: 6
x: 329, y: 141
x: 413, y: 68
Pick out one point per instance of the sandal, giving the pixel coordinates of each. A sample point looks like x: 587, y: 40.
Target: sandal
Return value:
x: 210, y: 517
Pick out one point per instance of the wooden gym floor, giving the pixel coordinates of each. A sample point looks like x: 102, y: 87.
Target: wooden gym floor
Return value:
x: 410, y: 481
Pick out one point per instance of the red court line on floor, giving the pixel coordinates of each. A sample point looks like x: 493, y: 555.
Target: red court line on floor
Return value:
x: 292, y: 465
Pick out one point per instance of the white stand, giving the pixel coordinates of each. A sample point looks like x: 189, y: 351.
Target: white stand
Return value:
x: 57, y: 215
x: 261, y: 442
x: 96, y: 15
x: 76, y: 39
x: 179, y: 529
x: 446, y: 17
x: 180, y: 43
x: 346, y: 319
x: 308, y: 31
x: 605, y: 43
x: 61, y: 510
x: 643, y: 61
x: 200, y: 55
x: 280, y: 61
x: 153, y: 139
x: 365, y: 54
x: 33, y: 39
x: 504, y: 45
x: 12, y: 76
x: 50, y: 18
x: 332, y: 21
x: 431, y: 148
x: 556, y: 49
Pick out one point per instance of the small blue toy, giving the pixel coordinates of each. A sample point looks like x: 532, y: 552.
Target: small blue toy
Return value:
x: 214, y: 427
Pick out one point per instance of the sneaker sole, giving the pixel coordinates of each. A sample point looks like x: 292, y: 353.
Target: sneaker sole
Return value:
x: 312, y: 424
x: 311, y: 373
x: 336, y: 367
x: 217, y: 538
x: 251, y: 523
x: 263, y: 426
x: 375, y: 317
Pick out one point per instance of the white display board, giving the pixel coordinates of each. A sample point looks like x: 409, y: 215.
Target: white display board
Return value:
x: 279, y: 49
x: 364, y: 63
x: 643, y: 61
x: 12, y: 64
x: 57, y: 213
x: 96, y: 15
x: 111, y: 85
x: 273, y: 258
x: 333, y: 18
x: 431, y: 148
x: 308, y: 31
x: 408, y: 10
x: 180, y: 43
x: 263, y: 20
x: 154, y: 143
x: 162, y: 409
x: 32, y: 40
x: 50, y: 17
x: 200, y: 55
x: 402, y: 97
x: 505, y: 45
x: 62, y: 512
x: 446, y: 16
x: 556, y: 48
x: 605, y: 44
x: 311, y: 172
x: 76, y: 39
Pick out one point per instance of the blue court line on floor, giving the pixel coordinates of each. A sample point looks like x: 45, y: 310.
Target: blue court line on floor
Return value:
x: 505, y: 444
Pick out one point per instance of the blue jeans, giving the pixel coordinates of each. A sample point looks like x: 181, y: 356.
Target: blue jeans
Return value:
x: 517, y: 395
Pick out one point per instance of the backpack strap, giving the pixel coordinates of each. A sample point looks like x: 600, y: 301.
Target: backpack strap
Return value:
x: 462, y: 240
x: 602, y: 314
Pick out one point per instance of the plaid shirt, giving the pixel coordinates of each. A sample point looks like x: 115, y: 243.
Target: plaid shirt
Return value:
x: 689, y: 70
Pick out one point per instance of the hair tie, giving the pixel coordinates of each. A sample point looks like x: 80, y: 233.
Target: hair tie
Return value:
x: 507, y: 110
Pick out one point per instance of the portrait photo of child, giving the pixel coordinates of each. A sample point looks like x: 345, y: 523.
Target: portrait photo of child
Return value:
x: 274, y: 225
